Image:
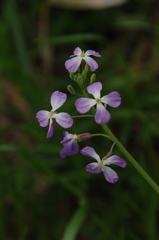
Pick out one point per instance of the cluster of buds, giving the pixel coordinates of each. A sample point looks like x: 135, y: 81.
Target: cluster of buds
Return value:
x: 79, y: 66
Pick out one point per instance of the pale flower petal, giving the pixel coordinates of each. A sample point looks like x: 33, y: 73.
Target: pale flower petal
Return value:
x: 115, y: 160
x: 110, y: 175
x: 50, y: 130
x: 90, y: 152
x: 102, y: 115
x: 83, y: 105
x: 57, y: 99
x: 113, y: 99
x: 93, y: 168
x: 95, y: 89
x: 43, y: 118
x: 69, y: 149
x: 91, y: 62
x: 73, y: 64
x: 92, y: 52
x: 77, y: 51
x: 63, y: 119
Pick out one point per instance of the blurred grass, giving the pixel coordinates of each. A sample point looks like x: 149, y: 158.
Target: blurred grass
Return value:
x: 42, y: 196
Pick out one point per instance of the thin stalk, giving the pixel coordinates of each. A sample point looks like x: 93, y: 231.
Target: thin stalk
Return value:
x: 80, y: 116
x: 131, y: 159
x: 100, y: 135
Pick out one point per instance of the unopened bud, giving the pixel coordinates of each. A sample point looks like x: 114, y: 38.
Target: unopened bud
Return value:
x: 109, y: 154
x: 86, y: 68
x: 84, y: 136
x: 72, y: 75
x: 71, y: 90
x: 84, y: 74
x: 93, y: 78
x: 80, y: 80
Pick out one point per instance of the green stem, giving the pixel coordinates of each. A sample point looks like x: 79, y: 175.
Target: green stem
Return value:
x: 131, y: 159
x: 80, y: 116
x: 100, y: 135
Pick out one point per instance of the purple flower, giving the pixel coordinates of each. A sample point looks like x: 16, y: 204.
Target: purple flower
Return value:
x: 70, y: 143
x: 102, y: 164
x: 113, y: 99
x: 73, y: 64
x: 46, y: 118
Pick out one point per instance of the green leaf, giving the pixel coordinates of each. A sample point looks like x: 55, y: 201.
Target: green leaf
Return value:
x: 75, y: 223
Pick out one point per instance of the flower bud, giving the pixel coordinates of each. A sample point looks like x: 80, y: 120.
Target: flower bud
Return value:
x: 80, y: 80
x: 93, y: 78
x: 86, y: 68
x: 84, y: 136
x: 84, y: 74
x: 109, y: 154
x: 72, y: 75
x: 71, y: 90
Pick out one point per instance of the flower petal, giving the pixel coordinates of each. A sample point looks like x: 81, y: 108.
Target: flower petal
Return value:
x: 113, y: 99
x: 95, y: 89
x: 110, y: 175
x: 77, y: 51
x: 69, y: 149
x: 84, y: 104
x: 90, y: 152
x: 67, y: 137
x: 63, y: 119
x: 50, y: 130
x: 57, y: 99
x: 91, y: 62
x: 102, y: 115
x: 43, y: 118
x: 115, y: 160
x: 73, y: 64
x: 93, y: 168
x: 92, y: 52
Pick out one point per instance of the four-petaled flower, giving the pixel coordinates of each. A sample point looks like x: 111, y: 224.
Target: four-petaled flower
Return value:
x: 102, y: 164
x: 113, y: 99
x: 70, y: 143
x: 63, y: 119
x: 73, y: 64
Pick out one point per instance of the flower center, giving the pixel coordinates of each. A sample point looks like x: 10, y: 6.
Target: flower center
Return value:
x: 82, y: 54
x: 101, y: 163
x: 75, y: 137
x: 98, y: 100
x: 51, y: 114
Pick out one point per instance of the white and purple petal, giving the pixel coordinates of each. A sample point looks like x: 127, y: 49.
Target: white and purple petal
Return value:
x: 102, y: 115
x: 57, y: 99
x: 77, y: 51
x: 63, y: 119
x: 83, y: 105
x: 110, y: 175
x: 92, y: 52
x: 70, y: 148
x: 95, y: 89
x: 90, y: 152
x: 43, y: 118
x: 73, y: 64
x: 67, y: 137
x: 50, y: 130
x: 93, y: 168
x: 91, y: 62
x: 113, y: 99
x: 115, y: 160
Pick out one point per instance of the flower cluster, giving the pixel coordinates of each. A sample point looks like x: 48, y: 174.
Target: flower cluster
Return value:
x: 79, y: 65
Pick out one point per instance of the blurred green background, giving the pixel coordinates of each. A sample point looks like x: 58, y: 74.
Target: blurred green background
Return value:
x: 42, y: 196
